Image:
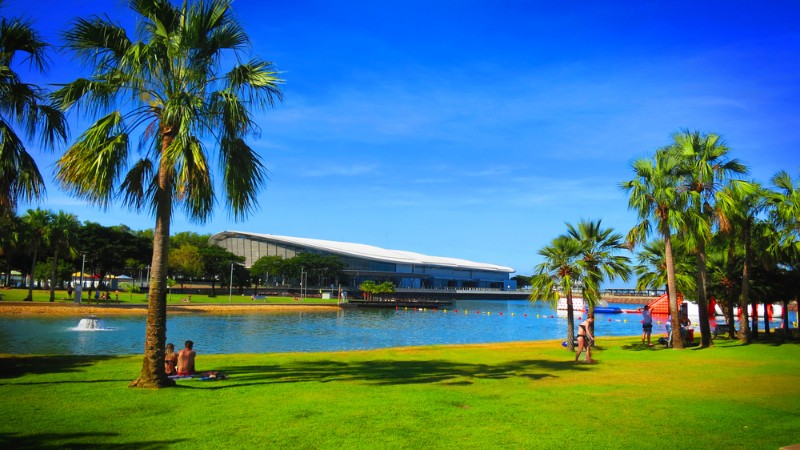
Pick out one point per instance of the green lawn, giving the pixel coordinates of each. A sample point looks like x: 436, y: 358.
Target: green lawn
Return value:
x: 516, y: 395
x: 40, y: 295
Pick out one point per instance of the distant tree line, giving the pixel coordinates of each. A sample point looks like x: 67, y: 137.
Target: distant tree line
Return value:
x: 53, y: 246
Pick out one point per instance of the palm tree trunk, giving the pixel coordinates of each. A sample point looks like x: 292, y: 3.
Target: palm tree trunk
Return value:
x: 744, y: 300
x: 730, y: 319
x: 53, y: 270
x: 702, y: 301
x: 677, y: 342
x: 570, y: 323
x: 153, y: 374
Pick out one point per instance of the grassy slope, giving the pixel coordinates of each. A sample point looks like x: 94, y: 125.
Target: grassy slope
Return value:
x: 517, y: 395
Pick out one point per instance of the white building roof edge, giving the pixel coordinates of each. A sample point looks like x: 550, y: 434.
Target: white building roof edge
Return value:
x: 372, y: 252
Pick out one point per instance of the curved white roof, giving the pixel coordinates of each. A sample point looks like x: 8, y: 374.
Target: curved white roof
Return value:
x: 370, y: 252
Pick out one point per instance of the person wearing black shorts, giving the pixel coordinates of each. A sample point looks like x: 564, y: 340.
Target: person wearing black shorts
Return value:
x: 647, y: 325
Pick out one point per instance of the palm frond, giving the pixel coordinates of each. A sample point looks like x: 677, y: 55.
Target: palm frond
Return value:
x: 244, y: 175
x: 213, y: 29
x: 17, y: 97
x: 92, y: 96
x: 91, y: 167
x: 162, y: 17
x: 19, y: 175
x: 19, y: 36
x: 257, y: 82
x: 138, y: 187
x: 97, y: 42
x: 193, y: 186
x: 49, y: 123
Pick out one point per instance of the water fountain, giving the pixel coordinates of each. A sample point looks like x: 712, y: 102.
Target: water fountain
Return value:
x: 91, y: 323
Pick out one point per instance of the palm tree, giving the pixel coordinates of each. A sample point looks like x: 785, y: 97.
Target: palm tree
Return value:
x: 785, y: 216
x: 36, y: 224
x: 560, y: 272
x: 172, y: 84
x: 705, y: 167
x: 739, y: 203
x: 24, y: 106
x: 599, y: 256
x: 786, y: 202
x: 656, y: 196
x: 63, y: 230
x: 724, y: 268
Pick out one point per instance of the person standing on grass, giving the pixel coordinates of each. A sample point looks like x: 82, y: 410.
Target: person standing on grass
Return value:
x: 585, y: 339
x: 186, y: 359
x: 647, y: 324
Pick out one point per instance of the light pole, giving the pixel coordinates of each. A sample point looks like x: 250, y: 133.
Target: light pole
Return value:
x: 230, y: 288
x: 79, y: 291
x: 302, y: 272
x: 83, y: 267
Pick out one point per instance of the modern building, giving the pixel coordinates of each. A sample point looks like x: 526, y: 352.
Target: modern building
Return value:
x: 407, y: 270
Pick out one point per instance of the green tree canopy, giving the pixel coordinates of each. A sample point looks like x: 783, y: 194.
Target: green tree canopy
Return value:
x: 24, y: 107
x: 186, y: 263
x: 372, y: 288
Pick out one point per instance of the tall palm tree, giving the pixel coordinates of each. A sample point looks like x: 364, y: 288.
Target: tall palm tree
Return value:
x: 560, y: 272
x: 738, y: 205
x: 724, y: 274
x: 656, y: 197
x: 705, y: 167
x: 63, y: 230
x: 37, y: 225
x: 24, y: 106
x: 785, y: 216
x: 170, y: 82
x: 600, y: 257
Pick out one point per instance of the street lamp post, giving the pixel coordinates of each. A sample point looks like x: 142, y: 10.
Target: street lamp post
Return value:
x: 79, y: 291
x: 230, y: 288
x: 302, y: 272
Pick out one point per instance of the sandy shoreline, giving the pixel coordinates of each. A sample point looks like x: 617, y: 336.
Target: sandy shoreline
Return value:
x: 72, y: 309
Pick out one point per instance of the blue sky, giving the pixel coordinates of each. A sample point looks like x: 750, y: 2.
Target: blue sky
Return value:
x: 477, y: 129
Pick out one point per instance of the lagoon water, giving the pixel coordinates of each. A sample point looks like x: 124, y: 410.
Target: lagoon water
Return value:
x: 351, y: 329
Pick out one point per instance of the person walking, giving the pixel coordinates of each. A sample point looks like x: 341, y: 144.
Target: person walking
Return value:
x: 585, y: 339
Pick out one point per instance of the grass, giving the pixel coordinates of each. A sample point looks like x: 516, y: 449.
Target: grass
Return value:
x: 43, y: 295
x: 513, y: 395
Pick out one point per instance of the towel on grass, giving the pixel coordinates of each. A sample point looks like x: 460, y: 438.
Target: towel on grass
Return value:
x: 205, y: 376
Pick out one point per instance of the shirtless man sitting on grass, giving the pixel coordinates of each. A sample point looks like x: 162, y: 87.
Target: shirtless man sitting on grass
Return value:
x: 186, y: 360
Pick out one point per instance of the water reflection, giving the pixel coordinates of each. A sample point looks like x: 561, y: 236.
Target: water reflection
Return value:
x: 475, y: 322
